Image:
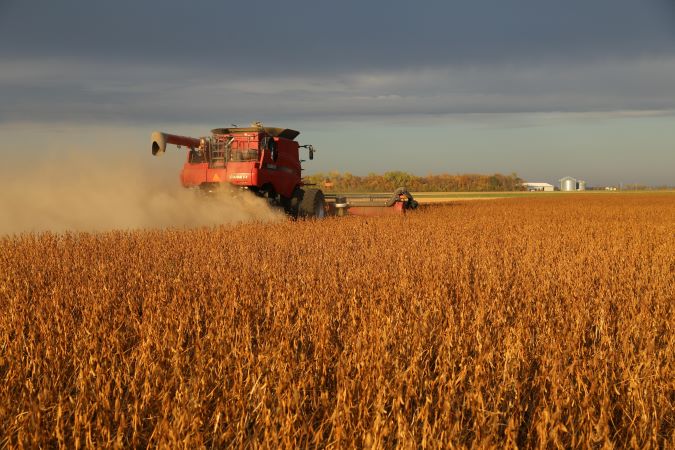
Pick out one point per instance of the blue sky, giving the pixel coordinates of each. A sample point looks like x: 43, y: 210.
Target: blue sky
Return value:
x: 542, y: 88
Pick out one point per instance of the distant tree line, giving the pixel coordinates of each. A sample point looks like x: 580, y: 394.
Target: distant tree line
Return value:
x: 346, y: 182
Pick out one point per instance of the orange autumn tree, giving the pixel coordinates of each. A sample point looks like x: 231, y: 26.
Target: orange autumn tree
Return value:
x: 347, y: 182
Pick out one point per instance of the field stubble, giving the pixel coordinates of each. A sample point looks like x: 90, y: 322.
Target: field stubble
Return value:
x: 530, y: 322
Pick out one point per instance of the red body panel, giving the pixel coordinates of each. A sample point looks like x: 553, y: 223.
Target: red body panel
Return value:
x: 242, y: 173
x: 283, y: 173
x: 216, y: 175
x: 193, y: 174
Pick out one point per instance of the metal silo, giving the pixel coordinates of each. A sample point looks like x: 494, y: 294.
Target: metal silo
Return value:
x: 568, y: 184
x: 581, y: 185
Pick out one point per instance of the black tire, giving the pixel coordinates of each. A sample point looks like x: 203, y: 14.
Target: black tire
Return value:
x: 292, y: 203
x: 312, y: 204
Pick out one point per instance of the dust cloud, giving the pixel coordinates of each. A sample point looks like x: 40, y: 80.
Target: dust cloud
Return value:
x: 80, y: 193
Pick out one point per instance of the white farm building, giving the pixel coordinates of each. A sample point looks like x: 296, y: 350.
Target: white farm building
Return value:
x: 545, y: 187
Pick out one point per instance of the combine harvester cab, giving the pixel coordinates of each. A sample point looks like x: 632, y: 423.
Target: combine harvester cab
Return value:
x: 266, y: 161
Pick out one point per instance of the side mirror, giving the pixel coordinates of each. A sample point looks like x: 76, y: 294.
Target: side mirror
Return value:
x: 310, y: 148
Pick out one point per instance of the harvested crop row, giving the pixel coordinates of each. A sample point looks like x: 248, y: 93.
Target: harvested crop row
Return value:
x: 538, y: 321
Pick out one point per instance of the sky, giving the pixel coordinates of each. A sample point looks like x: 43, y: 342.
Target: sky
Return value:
x: 543, y: 88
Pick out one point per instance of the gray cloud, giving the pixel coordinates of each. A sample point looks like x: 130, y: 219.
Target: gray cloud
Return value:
x: 48, y: 91
x: 135, y: 62
x: 309, y: 36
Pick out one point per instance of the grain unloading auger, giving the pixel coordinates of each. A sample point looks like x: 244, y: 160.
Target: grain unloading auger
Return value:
x: 266, y: 161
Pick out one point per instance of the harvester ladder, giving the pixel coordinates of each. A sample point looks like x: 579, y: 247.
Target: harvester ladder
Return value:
x: 218, y: 154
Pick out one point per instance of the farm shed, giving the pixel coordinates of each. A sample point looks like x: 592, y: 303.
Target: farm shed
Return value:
x: 546, y: 187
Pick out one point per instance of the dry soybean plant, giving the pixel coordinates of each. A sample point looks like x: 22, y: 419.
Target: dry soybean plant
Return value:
x: 537, y: 322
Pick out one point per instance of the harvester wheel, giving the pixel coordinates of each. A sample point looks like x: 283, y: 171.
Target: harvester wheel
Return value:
x: 312, y: 204
x: 291, y: 204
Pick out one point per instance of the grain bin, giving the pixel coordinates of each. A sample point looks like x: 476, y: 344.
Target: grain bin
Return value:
x: 568, y: 184
x: 581, y: 185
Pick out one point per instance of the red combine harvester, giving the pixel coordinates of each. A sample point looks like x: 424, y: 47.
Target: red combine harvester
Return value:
x: 266, y: 161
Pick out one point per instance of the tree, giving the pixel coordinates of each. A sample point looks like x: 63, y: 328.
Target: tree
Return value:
x: 443, y: 182
x: 398, y: 179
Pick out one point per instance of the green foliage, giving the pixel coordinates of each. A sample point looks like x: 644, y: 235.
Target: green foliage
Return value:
x: 347, y: 182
